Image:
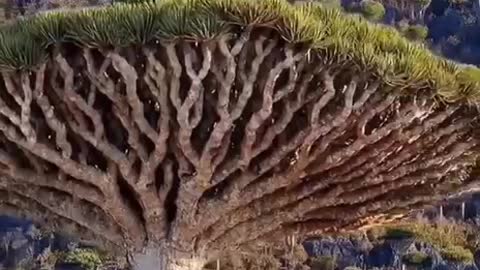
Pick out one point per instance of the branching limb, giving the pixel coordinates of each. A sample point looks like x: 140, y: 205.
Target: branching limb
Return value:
x: 194, y: 100
x: 156, y: 80
x: 351, y: 217
x: 66, y: 210
x: 49, y: 114
x: 69, y: 111
x: 268, y: 187
x: 259, y: 117
x: 120, y: 106
x: 26, y: 126
x: 152, y: 207
x: 397, y: 143
x: 248, y: 80
x: 78, y: 171
x: 16, y: 119
x: 130, y: 78
x: 219, y: 138
x: 11, y: 88
x: 273, y: 220
x: 31, y: 198
x: 67, y: 73
x: 405, y: 117
x: 25, y: 176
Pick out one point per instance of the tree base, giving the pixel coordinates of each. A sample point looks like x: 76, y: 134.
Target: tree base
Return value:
x: 157, y: 259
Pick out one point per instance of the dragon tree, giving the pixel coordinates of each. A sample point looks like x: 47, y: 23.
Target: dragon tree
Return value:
x: 174, y: 131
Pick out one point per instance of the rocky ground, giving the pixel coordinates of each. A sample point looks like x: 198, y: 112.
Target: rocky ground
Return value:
x: 440, y: 238
x: 23, y: 246
x: 386, y: 255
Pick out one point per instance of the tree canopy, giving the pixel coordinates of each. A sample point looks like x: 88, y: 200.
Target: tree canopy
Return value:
x: 372, y: 10
x: 337, y: 37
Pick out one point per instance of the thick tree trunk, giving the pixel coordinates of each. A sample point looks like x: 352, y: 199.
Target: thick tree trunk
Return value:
x: 159, y: 259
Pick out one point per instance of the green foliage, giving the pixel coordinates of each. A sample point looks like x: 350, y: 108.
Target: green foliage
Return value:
x: 417, y: 258
x: 372, y: 10
x: 336, y: 39
x: 472, y: 73
x: 457, y: 253
x: 323, y: 263
x: 416, y: 32
x: 398, y: 233
x: 449, y: 239
x: 89, y: 259
x: 473, y: 240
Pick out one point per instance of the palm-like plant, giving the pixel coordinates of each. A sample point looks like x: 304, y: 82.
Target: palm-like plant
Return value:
x: 177, y: 130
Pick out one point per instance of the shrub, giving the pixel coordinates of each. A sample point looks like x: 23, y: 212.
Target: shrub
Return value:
x: 449, y: 239
x: 416, y: 32
x: 418, y: 258
x: 89, y: 259
x: 372, y: 10
x: 436, y: 235
x: 398, y: 233
x: 473, y: 240
x: 457, y: 254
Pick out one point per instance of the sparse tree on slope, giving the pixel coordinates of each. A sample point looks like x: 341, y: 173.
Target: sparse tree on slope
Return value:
x: 178, y: 130
x: 414, y: 10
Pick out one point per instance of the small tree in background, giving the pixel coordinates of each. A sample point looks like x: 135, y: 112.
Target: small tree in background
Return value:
x: 416, y: 32
x: 412, y: 10
x: 372, y: 10
x: 176, y: 131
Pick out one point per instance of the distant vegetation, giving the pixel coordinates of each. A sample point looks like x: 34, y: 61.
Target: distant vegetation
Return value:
x: 418, y: 259
x: 453, y: 241
x: 449, y: 27
x: 372, y: 10
x: 89, y: 259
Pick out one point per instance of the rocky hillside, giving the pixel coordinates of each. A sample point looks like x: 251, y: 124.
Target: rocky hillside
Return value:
x: 388, y: 252
x: 445, y: 237
x: 449, y: 27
